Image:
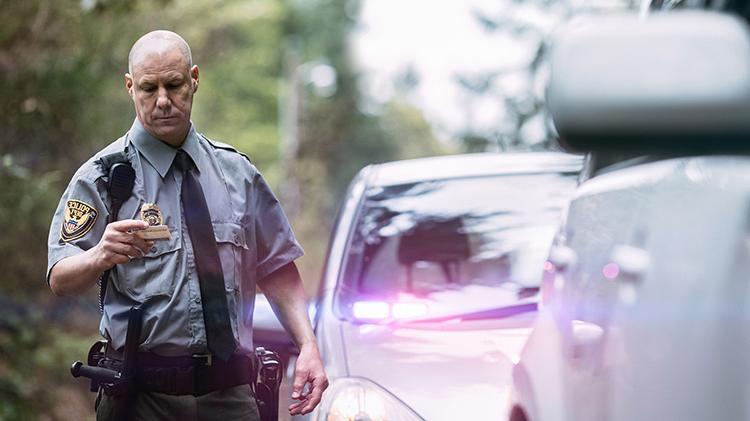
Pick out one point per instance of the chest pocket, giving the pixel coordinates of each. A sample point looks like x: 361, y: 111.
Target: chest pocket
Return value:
x: 153, y: 274
x: 232, y: 244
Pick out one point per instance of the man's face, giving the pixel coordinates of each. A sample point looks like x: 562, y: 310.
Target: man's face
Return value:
x: 162, y: 88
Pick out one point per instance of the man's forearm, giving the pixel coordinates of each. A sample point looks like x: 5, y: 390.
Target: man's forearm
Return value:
x: 286, y: 295
x: 119, y: 244
x: 284, y: 291
x: 75, y: 274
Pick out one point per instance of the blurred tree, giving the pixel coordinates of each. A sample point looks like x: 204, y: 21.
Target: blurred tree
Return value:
x: 525, y: 124
x: 334, y: 136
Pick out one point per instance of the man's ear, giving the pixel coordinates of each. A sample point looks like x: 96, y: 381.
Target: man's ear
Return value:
x: 129, y: 84
x: 194, y: 75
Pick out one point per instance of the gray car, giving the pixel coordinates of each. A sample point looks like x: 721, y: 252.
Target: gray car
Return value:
x: 430, y: 284
x: 644, y: 310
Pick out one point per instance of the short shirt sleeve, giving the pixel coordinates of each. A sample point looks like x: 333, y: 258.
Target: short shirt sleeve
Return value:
x: 275, y: 241
x: 79, y: 220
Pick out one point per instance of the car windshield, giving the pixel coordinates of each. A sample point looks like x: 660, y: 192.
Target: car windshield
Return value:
x: 460, y: 244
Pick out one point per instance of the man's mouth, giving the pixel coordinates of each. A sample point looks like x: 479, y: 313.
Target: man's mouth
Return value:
x: 168, y: 119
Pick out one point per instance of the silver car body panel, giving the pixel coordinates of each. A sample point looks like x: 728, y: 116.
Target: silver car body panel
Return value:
x: 649, y: 322
x: 470, y: 165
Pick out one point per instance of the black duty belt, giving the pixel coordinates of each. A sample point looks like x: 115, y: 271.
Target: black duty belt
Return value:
x: 190, y: 375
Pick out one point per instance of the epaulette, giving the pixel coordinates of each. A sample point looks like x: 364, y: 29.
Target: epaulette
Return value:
x: 226, y: 147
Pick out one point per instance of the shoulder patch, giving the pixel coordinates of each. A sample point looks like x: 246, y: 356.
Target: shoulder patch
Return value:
x: 78, y: 220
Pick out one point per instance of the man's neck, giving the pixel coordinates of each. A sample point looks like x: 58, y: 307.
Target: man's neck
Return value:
x: 176, y: 141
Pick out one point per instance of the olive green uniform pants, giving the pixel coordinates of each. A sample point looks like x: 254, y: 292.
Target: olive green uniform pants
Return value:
x: 235, y: 403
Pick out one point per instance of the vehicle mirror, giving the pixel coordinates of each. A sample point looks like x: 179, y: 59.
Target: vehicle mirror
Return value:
x: 675, y: 82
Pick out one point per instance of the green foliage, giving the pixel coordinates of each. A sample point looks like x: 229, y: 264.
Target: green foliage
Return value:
x: 238, y: 99
x: 336, y: 138
x: 399, y: 131
x: 33, y: 363
x: 474, y: 143
x: 28, y: 196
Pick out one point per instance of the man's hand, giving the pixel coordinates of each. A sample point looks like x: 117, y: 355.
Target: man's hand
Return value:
x: 309, y: 381
x: 119, y: 243
x: 284, y: 291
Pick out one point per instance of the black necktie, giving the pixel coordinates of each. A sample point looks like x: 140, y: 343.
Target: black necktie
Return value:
x: 211, y: 278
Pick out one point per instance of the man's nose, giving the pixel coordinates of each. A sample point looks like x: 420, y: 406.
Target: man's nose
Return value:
x: 163, y: 99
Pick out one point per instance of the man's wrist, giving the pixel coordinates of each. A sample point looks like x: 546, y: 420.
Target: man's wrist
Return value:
x: 309, y: 344
x: 96, y: 261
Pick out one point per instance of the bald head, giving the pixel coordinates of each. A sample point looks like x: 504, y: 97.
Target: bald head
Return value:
x: 158, y: 43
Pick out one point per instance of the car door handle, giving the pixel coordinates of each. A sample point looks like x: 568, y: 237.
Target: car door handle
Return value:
x: 586, y: 333
x: 562, y: 257
x: 584, y: 337
x: 631, y: 262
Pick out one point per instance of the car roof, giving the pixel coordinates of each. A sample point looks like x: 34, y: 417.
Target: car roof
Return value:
x: 470, y: 165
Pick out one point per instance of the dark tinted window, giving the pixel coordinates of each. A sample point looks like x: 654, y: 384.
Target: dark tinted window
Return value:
x: 478, y: 233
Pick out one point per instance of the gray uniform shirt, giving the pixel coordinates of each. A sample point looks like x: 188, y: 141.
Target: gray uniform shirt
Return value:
x: 252, y: 233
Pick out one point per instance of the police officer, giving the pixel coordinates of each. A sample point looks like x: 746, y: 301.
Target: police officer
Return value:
x: 228, y: 233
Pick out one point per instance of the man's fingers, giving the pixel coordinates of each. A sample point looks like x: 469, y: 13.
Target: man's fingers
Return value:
x: 307, y: 403
x: 317, y: 390
x: 118, y: 246
x: 303, y: 407
x: 126, y: 250
x: 309, y: 372
x: 119, y: 259
x: 300, y: 378
x: 139, y: 242
x: 143, y: 245
x: 126, y: 225
x: 296, y: 408
x: 131, y: 239
x: 135, y: 252
x: 311, y: 403
x: 314, y: 398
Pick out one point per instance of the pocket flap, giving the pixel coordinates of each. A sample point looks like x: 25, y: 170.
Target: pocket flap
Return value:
x: 230, y: 232
x: 165, y: 246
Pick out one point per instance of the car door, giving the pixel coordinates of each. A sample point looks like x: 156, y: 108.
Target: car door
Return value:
x: 601, y: 220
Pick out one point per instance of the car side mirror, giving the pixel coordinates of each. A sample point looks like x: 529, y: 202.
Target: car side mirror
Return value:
x: 677, y: 81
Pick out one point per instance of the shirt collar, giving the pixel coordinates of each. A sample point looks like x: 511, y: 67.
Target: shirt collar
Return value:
x: 160, y: 154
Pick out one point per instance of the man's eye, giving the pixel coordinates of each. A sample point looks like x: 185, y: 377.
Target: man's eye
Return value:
x: 174, y: 85
x: 148, y: 88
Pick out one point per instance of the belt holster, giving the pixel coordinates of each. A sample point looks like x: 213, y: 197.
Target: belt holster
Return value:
x: 267, y: 383
x: 96, y: 358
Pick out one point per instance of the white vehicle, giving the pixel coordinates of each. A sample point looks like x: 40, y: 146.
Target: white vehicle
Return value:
x: 644, y: 311
x: 430, y: 284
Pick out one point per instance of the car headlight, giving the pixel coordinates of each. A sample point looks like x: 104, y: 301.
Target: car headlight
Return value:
x: 358, y: 399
